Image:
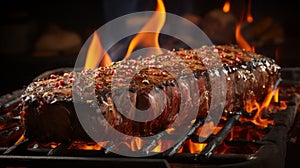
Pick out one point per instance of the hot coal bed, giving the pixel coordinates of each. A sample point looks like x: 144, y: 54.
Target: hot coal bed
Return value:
x: 221, y: 149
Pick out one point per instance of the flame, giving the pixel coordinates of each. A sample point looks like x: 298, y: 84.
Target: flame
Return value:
x: 22, y: 138
x: 94, y: 52
x: 170, y: 130
x: 276, y: 96
x: 180, y: 150
x: 78, y: 145
x: 231, y: 135
x: 195, y: 147
x: 136, y: 144
x: 89, y: 147
x: 240, y: 39
x: 249, y: 15
x: 156, y: 22
x: 238, y: 34
x: 226, y: 6
x: 204, y: 131
x: 158, y: 147
x: 253, y: 105
x: 207, y: 129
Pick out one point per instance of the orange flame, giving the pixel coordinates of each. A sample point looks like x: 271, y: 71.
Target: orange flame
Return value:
x: 22, y: 138
x: 207, y: 129
x: 94, y: 52
x: 53, y: 146
x: 238, y: 34
x: 226, y: 6
x: 156, y: 22
x: 195, y: 147
x: 136, y: 144
x: 158, y: 147
x: 240, y: 39
x: 170, y: 130
x: 253, y: 105
x: 89, y: 147
x: 276, y: 96
x: 249, y: 15
x: 204, y: 131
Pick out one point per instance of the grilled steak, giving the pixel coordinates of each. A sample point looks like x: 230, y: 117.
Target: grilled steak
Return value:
x: 177, y: 81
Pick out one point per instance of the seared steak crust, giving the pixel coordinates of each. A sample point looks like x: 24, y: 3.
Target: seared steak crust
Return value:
x: 165, y: 84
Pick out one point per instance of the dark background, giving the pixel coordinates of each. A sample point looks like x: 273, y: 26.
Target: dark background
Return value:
x: 20, y: 63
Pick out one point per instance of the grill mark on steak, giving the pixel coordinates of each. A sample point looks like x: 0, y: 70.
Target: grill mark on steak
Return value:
x: 166, y: 82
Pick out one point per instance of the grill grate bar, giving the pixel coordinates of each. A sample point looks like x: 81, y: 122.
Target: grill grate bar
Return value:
x: 215, y: 142
x: 190, y: 132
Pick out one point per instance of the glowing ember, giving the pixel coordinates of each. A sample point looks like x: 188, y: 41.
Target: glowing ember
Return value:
x: 2, y: 127
x: 226, y: 6
x: 156, y: 22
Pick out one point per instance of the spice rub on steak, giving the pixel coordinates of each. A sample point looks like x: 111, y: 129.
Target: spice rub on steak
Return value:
x: 177, y: 81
